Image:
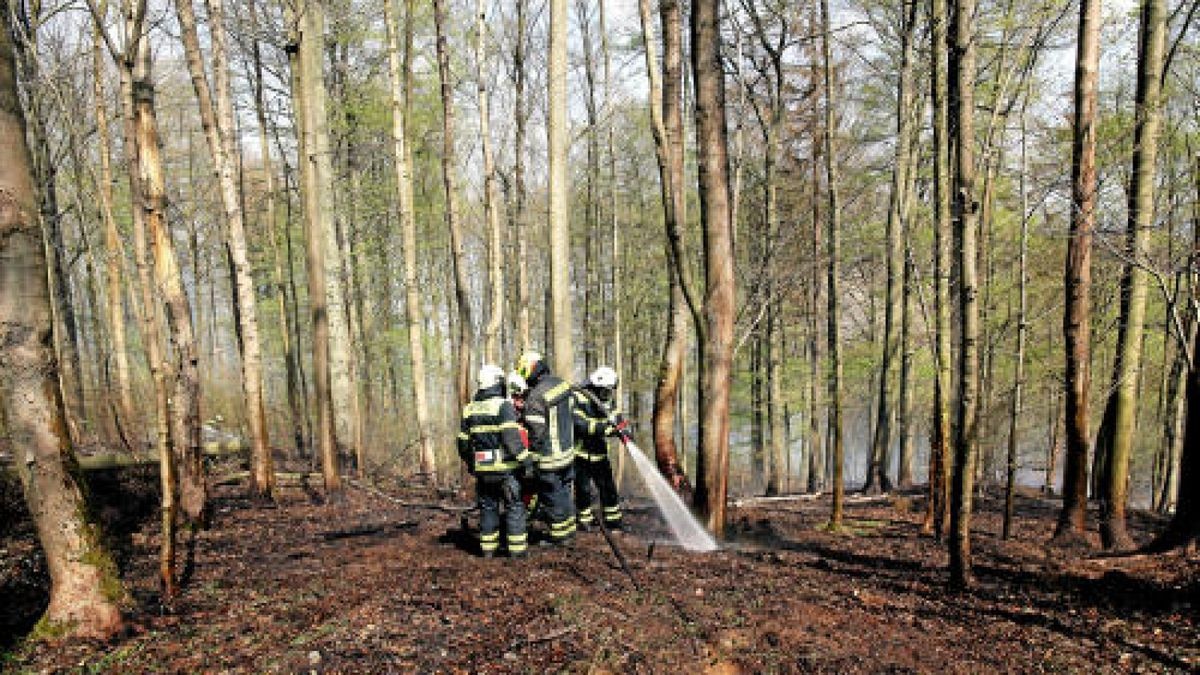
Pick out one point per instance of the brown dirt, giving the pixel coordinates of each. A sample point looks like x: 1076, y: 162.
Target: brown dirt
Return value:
x: 367, y: 585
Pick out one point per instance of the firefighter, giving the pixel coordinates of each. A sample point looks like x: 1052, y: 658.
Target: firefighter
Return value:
x: 517, y: 389
x: 597, y: 420
x: 489, y: 441
x: 550, y: 420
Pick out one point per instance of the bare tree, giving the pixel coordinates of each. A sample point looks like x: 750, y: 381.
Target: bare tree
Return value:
x: 966, y: 222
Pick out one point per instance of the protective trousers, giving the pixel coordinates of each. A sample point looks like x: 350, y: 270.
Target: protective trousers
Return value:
x: 555, y: 494
x: 495, y: 494
x: 592, y: 476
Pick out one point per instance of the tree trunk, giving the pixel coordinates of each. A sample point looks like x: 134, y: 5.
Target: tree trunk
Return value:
x: 219, y: 132
x: 295, y: 397
x: 491, y: 198
x: 833, y: 272
x: 184, y: 373
x: 1078, y: 277
x: 45, y: 171
x: 308, y: 92
x: 939, y: 452
x: 616, y: 269
x: 408, y: 231
x: 1022, y: 330
x: 113, y: 253
x: 521, y: 221
x: 563, y: 356
x: 668, y: 151
x: 85, y: 591
x: 1119, y: 428
x: 718, y: 307
x: 966, y: 216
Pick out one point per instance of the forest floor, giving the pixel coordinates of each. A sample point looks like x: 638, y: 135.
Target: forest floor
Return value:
x: 368, y: 584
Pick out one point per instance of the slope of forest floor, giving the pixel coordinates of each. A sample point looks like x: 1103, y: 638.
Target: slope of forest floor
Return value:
x: 369, y: 584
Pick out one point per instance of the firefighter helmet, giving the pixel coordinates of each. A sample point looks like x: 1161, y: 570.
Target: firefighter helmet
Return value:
x: 527, y: 364
x: 490, y: 375
x: 516, y: 384
x: 603, y: 378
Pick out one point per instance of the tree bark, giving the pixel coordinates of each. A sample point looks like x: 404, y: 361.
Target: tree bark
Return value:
x: 1078, y: 277
x: 1118, y: 427
x: 966, y: 216
x: 85, y: 591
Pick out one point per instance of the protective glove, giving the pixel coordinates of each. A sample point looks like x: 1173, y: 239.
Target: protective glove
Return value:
x: 621, y: 430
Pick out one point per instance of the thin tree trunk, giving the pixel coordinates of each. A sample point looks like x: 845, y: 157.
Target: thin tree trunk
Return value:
x: 616, y: 267
x: 296, y: 403
x: 670, y: 166
x: 308, y: 91
x: 85, y: 592
x: 521, y: 222
x: 1022, y: 330
x: 940, y: 460
x: 1120, y: 420
x: 966, y: 215
x: 408, y: 231
x: 113, y: 250
x: 216, y: 115
x: 833, y: 252
x: 491, y: 198
x: 884, y: 433
x: 1078, y: 276
x: 450, y: 183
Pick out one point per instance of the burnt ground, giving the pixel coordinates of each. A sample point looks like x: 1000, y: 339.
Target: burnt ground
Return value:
x: 368, y: 584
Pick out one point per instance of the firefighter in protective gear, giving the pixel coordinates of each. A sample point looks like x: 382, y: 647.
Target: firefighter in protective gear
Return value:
x: 517, y: 389
x: 489, y: 441
x: 597, y: 420
x: 550, y: 420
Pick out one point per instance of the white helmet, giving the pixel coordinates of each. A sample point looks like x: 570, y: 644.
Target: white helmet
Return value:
x: 603, y: 378
x: 490, y: 375
x: 516, y: 383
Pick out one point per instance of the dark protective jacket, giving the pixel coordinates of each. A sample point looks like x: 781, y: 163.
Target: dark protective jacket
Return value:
x: 594, y: 423
x: 550, y: 420
x: 489, y: 439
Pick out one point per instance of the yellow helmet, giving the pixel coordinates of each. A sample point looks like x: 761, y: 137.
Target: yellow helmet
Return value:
x: 528, y: 363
